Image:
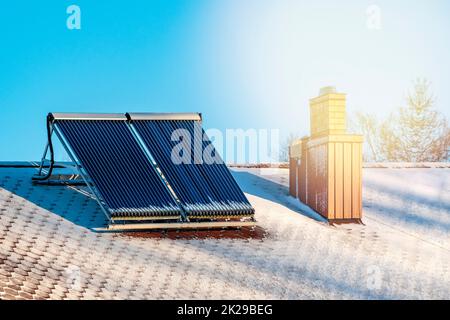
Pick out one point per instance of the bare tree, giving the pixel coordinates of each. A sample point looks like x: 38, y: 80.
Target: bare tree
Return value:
x: 368, y: 126
x: 413, y: 133
x: 416, y: 132
x: 284, y: 150
x: 446, y: 144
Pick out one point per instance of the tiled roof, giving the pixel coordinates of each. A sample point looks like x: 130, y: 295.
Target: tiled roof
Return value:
x: 48, y: 250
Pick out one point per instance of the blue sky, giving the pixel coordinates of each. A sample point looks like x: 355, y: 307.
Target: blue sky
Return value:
x: 243, y: 64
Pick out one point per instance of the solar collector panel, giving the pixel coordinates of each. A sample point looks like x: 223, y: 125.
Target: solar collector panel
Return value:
x: 201, y: 170
x: 191, y: 191
x: 213, y: 170
x: 203, y: 189
x: 105, y: 171
x: 119, y: 168
x: 218, y: 175
x: 189, y: 194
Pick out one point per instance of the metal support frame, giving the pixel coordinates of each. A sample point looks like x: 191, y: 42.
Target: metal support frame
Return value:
x: 83, y: 174
x: 88, y: 116
x: 163, y: 116
x: 43, y: 159
x: 178, y: 225
x: 53, y: 182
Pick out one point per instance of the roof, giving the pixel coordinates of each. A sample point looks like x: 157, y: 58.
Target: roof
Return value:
x: 48, y: 248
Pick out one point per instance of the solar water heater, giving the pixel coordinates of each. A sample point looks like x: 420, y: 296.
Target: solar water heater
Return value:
x: 126, y: 161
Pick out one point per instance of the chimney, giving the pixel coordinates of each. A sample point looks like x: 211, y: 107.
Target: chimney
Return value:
x: 327, y: 113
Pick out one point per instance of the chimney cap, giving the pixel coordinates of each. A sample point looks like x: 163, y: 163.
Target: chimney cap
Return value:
x: 327, y: 90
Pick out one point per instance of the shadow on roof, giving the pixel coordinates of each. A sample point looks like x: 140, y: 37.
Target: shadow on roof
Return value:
x: 275, y: 192
x: 72, y: 203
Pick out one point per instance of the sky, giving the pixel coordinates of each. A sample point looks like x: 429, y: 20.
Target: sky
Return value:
x: 250, y: 64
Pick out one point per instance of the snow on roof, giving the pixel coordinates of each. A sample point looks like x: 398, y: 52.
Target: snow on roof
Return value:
x: 48, y: 248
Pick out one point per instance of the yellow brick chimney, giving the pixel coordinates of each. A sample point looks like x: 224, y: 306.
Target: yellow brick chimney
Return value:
x: 327, y: 113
